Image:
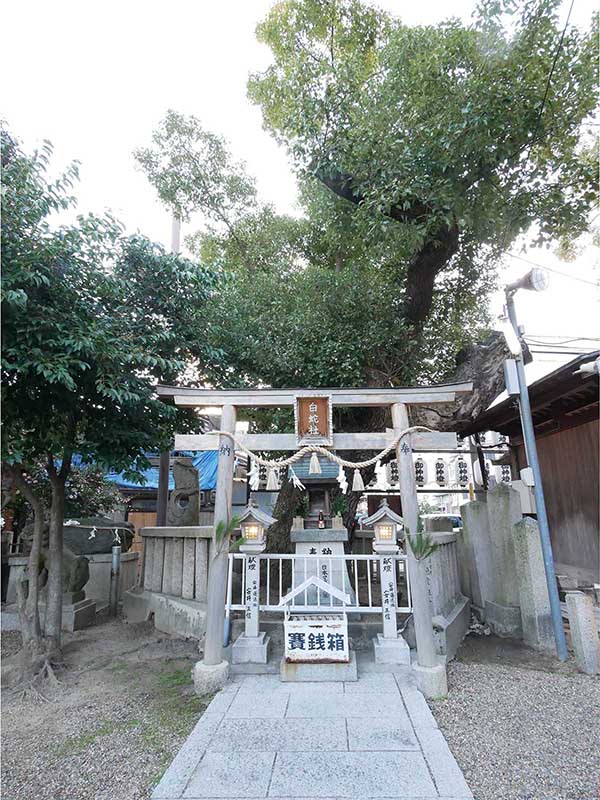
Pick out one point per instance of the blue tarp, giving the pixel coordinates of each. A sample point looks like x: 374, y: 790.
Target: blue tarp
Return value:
x: 205, y: 463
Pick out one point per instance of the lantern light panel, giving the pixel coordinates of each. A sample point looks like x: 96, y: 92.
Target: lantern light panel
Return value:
x: 462, y: 472
x: 252, y: 532
x: 441, y: 472
x: 420, y: 472
x: 506, y: 473
x: 386, y: 532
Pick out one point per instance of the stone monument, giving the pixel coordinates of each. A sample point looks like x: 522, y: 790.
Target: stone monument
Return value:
x: 184, y: 502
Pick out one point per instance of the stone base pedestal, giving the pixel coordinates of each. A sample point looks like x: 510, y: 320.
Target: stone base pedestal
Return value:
x: 251, y: 649
x: 432, y: 681
x: 450, y: 630
x: 391, y: 651
x: 504, y: 620
x: 209, y: 679
x: 319, y: 671
x: 172, y: 615
x: 75, y: 616
x: 79, y: 615
x: 584, y: 632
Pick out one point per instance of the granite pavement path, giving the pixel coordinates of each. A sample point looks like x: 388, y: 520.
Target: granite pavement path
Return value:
x: 260, y: 738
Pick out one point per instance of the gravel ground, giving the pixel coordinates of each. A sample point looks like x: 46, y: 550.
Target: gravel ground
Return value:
x: 124, y: 708
x: 521, y: 726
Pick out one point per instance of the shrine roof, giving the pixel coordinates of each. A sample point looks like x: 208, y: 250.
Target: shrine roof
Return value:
x: 329, y: 469
x: 567, y: 396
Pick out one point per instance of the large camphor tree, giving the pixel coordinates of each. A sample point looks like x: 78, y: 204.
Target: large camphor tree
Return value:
x: 459, y: 137
x: 422, y: 154
x: 91, y: 321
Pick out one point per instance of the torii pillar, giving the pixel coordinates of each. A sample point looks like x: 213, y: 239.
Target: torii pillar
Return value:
x: 212, y: 672
x: 429, y: 671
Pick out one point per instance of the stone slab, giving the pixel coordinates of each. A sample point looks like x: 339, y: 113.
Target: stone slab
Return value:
x: 174, y: 781
x: 452, y: 629
x: 283, y: 735
x: 354, y: 705
x: 418, y: 710
x: 432, y: 681
x: 251, y: 649
x: 536, y: 616
x: 271, y: 684
x: 75, y: 616
x: 216, y: 777
x: 504, y: 620
x: 381, y: 734
x: 245, y: 706
x: 504, y: 511
x: 9, y: 620
x: 446, y: 772
x: 334, y: 672
x: 322, y: 535
x: 584, y: 632
x: 391, y: 651
x: 348, y: 775
x: 221, y: 701
x: 296, y: 741
x: 372, y: 682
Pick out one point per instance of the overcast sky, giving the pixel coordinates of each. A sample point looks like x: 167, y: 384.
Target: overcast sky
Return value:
x: 96, y: 78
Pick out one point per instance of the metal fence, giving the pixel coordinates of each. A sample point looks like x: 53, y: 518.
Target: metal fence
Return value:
x: 358, y: 576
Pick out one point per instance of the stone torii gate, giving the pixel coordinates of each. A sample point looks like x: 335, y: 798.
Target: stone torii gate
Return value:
x: 211, y: 673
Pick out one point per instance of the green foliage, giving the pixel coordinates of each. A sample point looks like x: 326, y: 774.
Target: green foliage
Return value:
x: 223, y: 533
x: 446, y: 118
x: 421, y: 544
x: 87, y: 492
x: 302, y: 506
x: 339, y: 505
x: 435, y: 135
x: 90, y: 323
x: 192, y: 170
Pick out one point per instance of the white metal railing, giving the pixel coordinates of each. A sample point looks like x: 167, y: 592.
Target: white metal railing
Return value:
x: 359, y: 576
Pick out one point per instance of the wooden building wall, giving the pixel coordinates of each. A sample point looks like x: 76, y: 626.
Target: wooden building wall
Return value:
x: 569, y: 461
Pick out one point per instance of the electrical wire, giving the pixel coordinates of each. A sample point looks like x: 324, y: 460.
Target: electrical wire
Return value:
x: 562, y: 352
x: 541, y: 337
x: 551, y: 74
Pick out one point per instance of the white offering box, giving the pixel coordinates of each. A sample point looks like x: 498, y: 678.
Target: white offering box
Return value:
x: 316, y: 637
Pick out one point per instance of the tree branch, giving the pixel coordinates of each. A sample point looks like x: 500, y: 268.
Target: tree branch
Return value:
x: 426, y: 263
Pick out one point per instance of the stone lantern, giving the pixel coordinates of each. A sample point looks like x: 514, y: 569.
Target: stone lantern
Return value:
x: 389, y: 647
x: 385, y: 524
x: 254, y: 524
x: 252, y: 646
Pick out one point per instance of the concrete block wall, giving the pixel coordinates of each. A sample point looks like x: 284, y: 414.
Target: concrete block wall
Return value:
x: 450, y: 608
x: 505, y: 568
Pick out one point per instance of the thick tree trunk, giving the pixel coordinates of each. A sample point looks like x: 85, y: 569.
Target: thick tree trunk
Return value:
x: 278, y: 535
x: 481, y: 363
x: 28, y: 586
x: 28, y: 593
x: 55, y: 568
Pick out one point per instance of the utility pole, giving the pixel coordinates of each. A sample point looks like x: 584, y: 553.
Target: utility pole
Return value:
x: 537, y: 281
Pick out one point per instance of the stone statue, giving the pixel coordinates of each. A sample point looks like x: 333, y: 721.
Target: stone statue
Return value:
x: 184, y: 502
x: 75, y: 571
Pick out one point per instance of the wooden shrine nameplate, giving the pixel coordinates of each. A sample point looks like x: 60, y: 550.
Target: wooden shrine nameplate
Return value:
x: 313, y: 417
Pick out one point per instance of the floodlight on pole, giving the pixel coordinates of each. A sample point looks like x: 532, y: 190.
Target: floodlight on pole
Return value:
x: 536, y: 280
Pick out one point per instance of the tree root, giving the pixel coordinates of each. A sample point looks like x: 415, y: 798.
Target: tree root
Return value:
x: 29, y: 688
